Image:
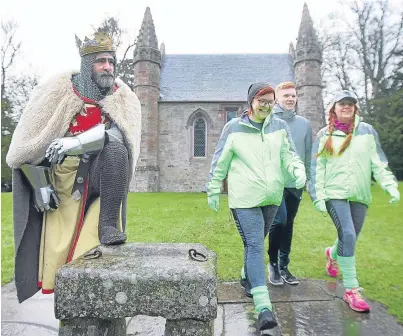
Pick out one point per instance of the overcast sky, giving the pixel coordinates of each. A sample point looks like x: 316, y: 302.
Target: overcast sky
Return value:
x: 47, y: 28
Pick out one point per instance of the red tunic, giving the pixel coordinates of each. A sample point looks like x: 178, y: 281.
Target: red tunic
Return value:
x: 89, y: 117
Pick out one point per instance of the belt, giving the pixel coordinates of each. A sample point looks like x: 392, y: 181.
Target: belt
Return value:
x: 82, y: 173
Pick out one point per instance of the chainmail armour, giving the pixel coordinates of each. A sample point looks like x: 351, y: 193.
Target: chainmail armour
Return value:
x: 84, y: 83
x: 109, y: 175
x: 109, y: 180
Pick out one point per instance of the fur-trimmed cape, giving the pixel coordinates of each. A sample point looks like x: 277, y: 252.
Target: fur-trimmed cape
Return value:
x: 51, y: 109
x: 47, y: 116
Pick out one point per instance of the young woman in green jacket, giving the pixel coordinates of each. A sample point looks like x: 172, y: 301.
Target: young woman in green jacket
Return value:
x: 345, y: 155
x: 252, y: 151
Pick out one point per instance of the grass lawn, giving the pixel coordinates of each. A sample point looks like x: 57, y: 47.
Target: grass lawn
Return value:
x: 185, y: 217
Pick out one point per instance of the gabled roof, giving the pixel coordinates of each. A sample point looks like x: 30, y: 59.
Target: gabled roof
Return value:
x: 220, y: 77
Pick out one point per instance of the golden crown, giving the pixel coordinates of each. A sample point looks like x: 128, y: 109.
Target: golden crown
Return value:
x: 100, y: 43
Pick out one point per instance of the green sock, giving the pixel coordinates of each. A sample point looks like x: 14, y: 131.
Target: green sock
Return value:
x: 347, y: 268
x: 261, y: 298
x: 333, y: 249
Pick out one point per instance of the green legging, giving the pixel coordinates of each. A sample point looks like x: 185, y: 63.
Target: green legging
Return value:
x: 348, y: 217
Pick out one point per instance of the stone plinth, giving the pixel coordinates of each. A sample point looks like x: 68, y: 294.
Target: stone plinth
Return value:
x: 101, y: 288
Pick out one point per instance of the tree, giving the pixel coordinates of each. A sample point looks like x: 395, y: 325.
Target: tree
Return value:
x: 388, y: 121
x: 363, y: 52
x: 9, y: 51
x: 397, y: 78
x: 15, y: 91
x: 359, y: 48
x: 18, y: 90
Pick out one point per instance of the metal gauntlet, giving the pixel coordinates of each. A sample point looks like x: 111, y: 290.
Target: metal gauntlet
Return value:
x: 89, y: 142
x: 45, y: 196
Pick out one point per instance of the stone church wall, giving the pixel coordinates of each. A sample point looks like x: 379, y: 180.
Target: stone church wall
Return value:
x: 179, y: 170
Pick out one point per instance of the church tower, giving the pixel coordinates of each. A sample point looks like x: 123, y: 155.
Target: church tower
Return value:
x: 147, y: 70
x: 307, y: 67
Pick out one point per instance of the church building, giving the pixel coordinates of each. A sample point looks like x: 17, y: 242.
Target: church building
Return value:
x: 187, y: 99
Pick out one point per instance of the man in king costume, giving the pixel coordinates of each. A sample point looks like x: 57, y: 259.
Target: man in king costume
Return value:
x: 73, y: 155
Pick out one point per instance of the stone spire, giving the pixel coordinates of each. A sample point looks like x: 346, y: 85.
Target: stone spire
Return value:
x: 146, y: 84
x: 307, y: 43
x: 147, y: 36
x: 147, y: 43
x: 308, y: 76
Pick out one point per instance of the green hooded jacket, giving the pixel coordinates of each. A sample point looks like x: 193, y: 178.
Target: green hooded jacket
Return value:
x: 348, y: 176
x: 253, y: 161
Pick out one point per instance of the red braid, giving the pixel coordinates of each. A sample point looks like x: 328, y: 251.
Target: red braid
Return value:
x: 328, y: 147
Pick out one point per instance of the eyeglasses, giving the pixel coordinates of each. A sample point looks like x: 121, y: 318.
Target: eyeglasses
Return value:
x: 264, y: 102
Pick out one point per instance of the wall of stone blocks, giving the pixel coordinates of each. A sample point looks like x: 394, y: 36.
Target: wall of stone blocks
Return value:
x: 179, y: 170
x: 309, y: 90
x: 146, y: 83
x: 310, y: 106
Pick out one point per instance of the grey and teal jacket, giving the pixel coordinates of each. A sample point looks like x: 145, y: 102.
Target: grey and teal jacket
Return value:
x: 253, y: 160
x: 301, y: 133
x: 348, y: 176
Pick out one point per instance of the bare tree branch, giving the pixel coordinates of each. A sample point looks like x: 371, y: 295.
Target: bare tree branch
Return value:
x: 9, y: 51
x: 127, y: 49
x: 362, y: 55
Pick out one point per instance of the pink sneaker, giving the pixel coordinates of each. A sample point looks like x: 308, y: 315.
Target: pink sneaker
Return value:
x: 331, y: 265
x: 355, y: 301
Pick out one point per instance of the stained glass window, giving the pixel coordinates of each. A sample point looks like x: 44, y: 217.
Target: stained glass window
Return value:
x: 199, y: 138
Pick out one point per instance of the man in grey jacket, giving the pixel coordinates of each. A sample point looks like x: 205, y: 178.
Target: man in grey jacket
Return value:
x: 280, y: 234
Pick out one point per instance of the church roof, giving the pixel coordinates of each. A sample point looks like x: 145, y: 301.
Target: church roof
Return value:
x: 220, y: 77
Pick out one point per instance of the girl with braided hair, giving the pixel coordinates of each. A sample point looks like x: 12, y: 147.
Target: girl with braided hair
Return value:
x: 345, y: 154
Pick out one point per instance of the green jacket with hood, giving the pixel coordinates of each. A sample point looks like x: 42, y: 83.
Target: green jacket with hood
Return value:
x: 253, y: 160
x: 348, y: 176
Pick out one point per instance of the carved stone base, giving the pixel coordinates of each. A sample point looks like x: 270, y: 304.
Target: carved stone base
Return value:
x: 92, y: 327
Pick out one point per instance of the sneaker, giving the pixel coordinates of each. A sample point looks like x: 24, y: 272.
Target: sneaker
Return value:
x: 287, y: 276
x: 274, y: 275
x: 331, y: 264
x: 355, y: 301
x: 246, y: 287
x: 266, y: 320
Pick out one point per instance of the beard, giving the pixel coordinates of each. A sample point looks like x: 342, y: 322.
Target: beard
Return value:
x: 103, y: 80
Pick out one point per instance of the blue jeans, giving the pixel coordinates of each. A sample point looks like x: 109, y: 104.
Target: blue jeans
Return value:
x: 253, y: 225
x: 280, y: 235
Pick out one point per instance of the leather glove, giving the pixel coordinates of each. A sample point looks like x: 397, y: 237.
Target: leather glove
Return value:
x: 320, y: 206
x: 300, y: 178
x: 214, y: 202
x: 46, y: 199
x: 394, y: 194
x: 58, y: 149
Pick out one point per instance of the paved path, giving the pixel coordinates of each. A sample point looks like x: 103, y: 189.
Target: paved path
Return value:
x: 309, y: 309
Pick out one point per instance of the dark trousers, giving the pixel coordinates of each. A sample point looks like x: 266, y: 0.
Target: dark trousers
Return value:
x: 280, y: 234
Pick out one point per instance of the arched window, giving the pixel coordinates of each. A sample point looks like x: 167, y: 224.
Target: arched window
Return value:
x: 199, y: 138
